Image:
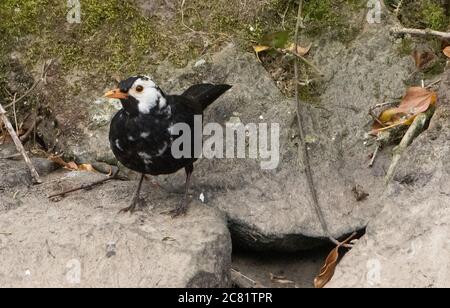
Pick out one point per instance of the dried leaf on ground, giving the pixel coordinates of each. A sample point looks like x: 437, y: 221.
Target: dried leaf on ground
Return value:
x: 417, y: 100
x: 260, y: 48
x: 446, y: 51
x: 421, y: 59
x: 58, y: 160
x: 328, y: 269
x: 86, y: 167
x: 299, y: 50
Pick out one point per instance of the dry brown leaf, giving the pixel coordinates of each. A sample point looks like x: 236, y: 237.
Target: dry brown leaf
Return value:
x: 260, y: 48
x: 86, y: 167
x: 446, y: 51
x: 58, y: 160
x: 72, y: 166
x: 422, y: 58
x: 302, y: 51
x: 417, y: 100
x: 328, y: 269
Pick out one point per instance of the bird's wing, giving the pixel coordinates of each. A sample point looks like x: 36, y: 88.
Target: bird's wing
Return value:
x: 205, y: 94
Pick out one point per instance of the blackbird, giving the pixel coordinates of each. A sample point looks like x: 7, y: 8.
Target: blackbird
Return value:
x: 141, y: 134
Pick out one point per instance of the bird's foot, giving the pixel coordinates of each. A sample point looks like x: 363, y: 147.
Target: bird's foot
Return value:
x: 135, y: 205
x: 181, y: 210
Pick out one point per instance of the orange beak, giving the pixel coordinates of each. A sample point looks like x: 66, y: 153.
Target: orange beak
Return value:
x: 116, y: 93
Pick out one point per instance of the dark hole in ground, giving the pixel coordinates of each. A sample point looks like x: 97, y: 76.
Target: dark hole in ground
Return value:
x: 290, y: 269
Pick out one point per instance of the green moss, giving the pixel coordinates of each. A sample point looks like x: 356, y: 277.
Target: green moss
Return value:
x: 434, y: 15
x: 437, y: 68
x: 112, y: 34
x: 333, y: 17
x: 115, y: 38
x: 422, y: 14
x: 406, y: 47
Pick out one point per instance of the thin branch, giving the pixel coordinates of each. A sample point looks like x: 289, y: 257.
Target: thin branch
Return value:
x: 86, y: 186
x: 303, y: 150
x: 398, y: 8
x: 433, y: 83
x: 420, y: 32
x: 19, y: 146
x: 15, y: 114
x: 374, y: 156
x: 36, y: 121
x: 414, y: 130
x: 306, y: 61
x: 42, y: 78
x: 243, y: 281
x: 283, y: 17
x: 12, y: 156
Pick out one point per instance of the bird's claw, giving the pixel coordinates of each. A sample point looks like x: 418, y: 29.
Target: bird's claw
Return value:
x: 135, y: 205
x: 181, y: 210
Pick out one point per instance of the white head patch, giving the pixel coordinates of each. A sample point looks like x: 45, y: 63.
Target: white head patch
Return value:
x: 150, y: 96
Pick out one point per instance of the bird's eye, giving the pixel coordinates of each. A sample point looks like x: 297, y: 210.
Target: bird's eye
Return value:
x: 139, y: 88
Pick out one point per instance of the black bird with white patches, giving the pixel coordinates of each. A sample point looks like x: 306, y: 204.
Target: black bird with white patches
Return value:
x: 140, y: 133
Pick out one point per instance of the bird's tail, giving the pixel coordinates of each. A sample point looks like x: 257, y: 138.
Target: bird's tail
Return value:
x: 206, y: 94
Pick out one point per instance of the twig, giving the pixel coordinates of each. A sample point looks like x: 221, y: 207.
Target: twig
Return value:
x: 182, y: 17
x: 43, y: 76
x: 283, y: 17
x: 309, y: 63
x: 86, y: 186
x: 15, y: 114
x: 6, y: 233
x: 420, y: 32
x: 242, y: 281
x: 375, y: 118
x: 398, y: 8
x: 433, y: 83
x: 374, y: 156
x: 414, y: 130
x: 19, y: 146
x: 12, y: 156
x: 24, y: 138
x: 303, y: 150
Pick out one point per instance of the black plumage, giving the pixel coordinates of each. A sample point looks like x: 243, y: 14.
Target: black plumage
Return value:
x: 140, y: 133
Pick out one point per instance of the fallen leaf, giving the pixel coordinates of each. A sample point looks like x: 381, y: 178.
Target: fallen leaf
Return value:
x: 72, y: 165
x: 58, y: 160
x: 328, y: 269
x: 417, y: 100
x: 301, y: 51
x: 446, y: 51
x: 86, y: 167
x: 422, y: 58
x: 260, y: 48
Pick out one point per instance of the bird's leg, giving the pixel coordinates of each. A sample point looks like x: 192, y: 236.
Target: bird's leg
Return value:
x: 183, y: 206
x: 136, y: 198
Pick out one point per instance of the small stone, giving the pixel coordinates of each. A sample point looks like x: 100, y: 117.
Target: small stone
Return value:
x: 199, y: 63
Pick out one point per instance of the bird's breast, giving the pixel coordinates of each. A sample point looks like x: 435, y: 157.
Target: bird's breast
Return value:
x: 141, y: 143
